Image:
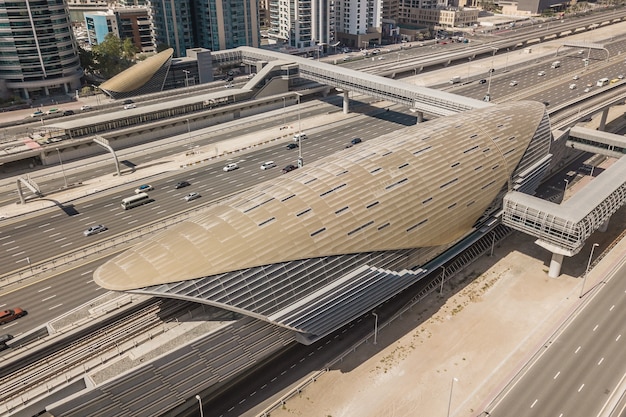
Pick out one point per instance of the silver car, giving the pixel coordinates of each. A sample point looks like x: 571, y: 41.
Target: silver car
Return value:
x: 192, y: 196
x: 94, y: 230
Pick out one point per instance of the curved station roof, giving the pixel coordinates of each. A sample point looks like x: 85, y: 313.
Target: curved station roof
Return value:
x: 314, y: 248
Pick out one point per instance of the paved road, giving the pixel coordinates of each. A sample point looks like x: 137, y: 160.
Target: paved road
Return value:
x: 580, y: 371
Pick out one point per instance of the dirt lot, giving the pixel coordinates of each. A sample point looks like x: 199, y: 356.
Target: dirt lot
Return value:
x: 481, y: 330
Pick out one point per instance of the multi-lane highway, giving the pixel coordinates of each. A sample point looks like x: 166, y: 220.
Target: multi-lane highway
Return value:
x: 579, y: 371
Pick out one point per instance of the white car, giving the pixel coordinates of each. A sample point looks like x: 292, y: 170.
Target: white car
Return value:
x: 129, y: 106
x: 231, y: 167
x: 575, y: 77
x: 588, y: 89
x: 513, y: 83
x: 85, y: 107
x: 144, y: 188
x: 541, y: 73
x: 268, y: 165
x: 94, y: 230
x: 192, y: 196
x: 572, y: 86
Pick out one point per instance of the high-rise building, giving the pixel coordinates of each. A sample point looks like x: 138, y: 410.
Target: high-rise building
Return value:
x: 38, y: 52
x: 125, y: 23
x: 301, y: 23
x: 358, y: 23
x: 211, y: 24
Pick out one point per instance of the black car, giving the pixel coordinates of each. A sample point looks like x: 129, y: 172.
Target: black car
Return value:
x: 483, y: 81
x: 289, y: 168
x: 68, y: 112
x: 182, y: 184
x: 355, y: 141
x: 128, y: 101
x: 292, y: 146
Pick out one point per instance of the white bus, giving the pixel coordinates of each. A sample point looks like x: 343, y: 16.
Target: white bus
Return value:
x: 602, y: 82
x: 136, y: 200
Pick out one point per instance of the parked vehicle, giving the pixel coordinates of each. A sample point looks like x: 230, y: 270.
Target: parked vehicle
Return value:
x: 53, y: 111
x: 7, y: 316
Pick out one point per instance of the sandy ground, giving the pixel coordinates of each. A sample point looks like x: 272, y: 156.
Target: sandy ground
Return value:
x: 487, y: 323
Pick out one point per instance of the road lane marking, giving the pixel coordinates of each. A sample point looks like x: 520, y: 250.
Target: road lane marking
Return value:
x: 44, y: 289
x: 5, y: 237
x: 87, y: 272
x: 161, y: 212
x: 59, y: 240
x: 612, y: 307
x: 134, y: 221
x: 595, y: 328
x: 19, y: 253
x: 44, y: 225
x: 8, y: 243
x: 56, y: 306
x: 19, y: 226
x: 108, y: 205
x: 618, y: 337
x: 13, y: 248
x: 56, y: 215
x: 84, y: 218
x: 67, y: 244
x: 601, y: 360
x: 88, y: 205
x: 533, y: 404
x: 56, y: 234
x: 47, y: 230
x: 577, y: 349
x: 557, y: 375
x: 581, y: 387
x: 48, y: 298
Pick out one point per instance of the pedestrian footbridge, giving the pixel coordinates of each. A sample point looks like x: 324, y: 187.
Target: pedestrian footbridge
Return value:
x: 564, y: 228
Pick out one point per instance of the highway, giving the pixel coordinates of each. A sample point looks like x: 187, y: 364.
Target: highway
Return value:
x: 579, y: 371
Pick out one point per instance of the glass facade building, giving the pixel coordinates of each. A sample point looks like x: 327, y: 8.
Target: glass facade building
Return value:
x: 38, y: 50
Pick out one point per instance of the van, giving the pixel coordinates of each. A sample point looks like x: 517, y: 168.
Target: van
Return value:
x: 556, y: 64
x: 299, y: 136
x: 602, y: 82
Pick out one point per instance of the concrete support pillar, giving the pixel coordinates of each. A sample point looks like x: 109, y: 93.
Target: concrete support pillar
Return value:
x: 420, y: 116
x: 346, y: 102
x: 555, y: 265
x: 604, y: 226
x: 605, y: 113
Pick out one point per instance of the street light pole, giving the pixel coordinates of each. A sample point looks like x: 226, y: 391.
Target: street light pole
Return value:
x: 300, y: 160
x: 451, y: 389
x: 186, y: 78
x: 375, y: 326
x: 62, y: 169
x: 566, y: 184
x: 587, y: 270
x: 188, y: 133
x: 284, y: 116
x: 200, y: 404
x: 443, y: 278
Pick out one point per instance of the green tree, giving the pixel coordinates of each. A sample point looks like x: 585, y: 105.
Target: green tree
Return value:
x: 112, y: 56
x: 86, y: 59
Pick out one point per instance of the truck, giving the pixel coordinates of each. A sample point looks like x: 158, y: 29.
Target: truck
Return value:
x: 556, y: 64
x: 456, y: 79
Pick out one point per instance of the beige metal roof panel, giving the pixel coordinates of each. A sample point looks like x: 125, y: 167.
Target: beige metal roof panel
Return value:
x: 421, y: 186
x: 137, y: 75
